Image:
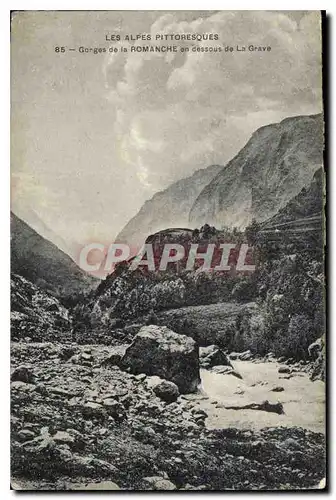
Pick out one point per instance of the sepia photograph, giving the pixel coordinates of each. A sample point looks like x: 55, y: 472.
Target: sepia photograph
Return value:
x: 167, y: 250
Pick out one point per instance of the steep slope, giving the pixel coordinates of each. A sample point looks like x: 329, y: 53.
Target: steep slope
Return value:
x: 276, y: 163
x: 35, y: 313
x: 308, y: 203
x: 168, y: 208
x: 43, y: 263
x: 30, y: 217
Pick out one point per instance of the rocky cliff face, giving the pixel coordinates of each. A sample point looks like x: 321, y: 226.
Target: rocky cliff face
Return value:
x: 43, y: 263
x: 168, y: 208
x: 276, y: 163
x: 36, y: 315
x: 308, y: 203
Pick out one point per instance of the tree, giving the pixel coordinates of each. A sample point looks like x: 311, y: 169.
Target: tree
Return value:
x: 251, y: 232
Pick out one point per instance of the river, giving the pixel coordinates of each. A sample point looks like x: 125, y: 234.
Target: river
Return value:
x: 302, y: 399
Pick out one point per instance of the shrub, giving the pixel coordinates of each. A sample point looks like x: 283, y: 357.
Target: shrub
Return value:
x: 297, y: 339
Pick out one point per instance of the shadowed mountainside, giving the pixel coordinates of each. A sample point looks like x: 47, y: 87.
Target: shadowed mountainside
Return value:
x: 307, y: 203
x: 43, y: 263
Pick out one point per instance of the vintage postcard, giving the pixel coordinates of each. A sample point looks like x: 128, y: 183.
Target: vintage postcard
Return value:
x: 167, y: 251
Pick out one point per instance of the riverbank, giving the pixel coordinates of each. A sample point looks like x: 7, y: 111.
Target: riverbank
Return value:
x: 76, y: 421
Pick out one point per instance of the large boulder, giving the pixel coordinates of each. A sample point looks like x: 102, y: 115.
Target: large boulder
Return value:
x: 315, y: 348
x: 213, y: 356
x: 156, y: 350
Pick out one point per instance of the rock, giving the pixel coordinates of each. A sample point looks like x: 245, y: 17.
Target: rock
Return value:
x: 315, y: 348
x: 227, y: 370
x: 213, y: 356
x: 22, y: 387
x: 83, y: 465
x: 318, y: 369
x: 42, y: 389
x: 167, y: 391
x: 75, y: 359
x: 153, y: 381
x: 91, y: 409
x: 86, y: 356
x: 116, y: 393
x: 116, y: 353
x: 87, y: 380
x: 205, y: 351
x: 79, y: 440
x: 316, y: 351
x: 101, y: 486
x: 165, y: 485
x: 222, y: 369
x: 200, y: 415
x: 141, y: 377
x: 22, y: 485
x: 272, y: 407
x: 158, y: 483
x: 284, y: 369
x: 67, y: 352
x: 278, y: 388
x: 40, y: 446
x: 26, y: 435
x: 242, y: 356
x: 157, y: 350
x: 149, y: 482
x: 63, y: 438
x: 245, y: 356
x: 114, y: 408
x: 235, y: 374
x: 23, y: 374
x: 59, y: 391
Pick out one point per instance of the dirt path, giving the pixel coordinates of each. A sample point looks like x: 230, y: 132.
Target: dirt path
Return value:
x: 303, y: 400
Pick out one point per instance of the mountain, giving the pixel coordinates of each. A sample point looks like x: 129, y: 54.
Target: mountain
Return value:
x: 168, y: 208
x: 308, y: 203
x: 43, y: 263
x: 30, y: 217
x: 276, y: 163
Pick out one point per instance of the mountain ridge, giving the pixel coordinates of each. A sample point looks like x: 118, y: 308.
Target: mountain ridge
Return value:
x: 41, y: 262
x: 167, y: 208
x: 273, y: 166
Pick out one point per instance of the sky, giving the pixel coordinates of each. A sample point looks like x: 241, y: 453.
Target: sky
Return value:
x: 93, y: 136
